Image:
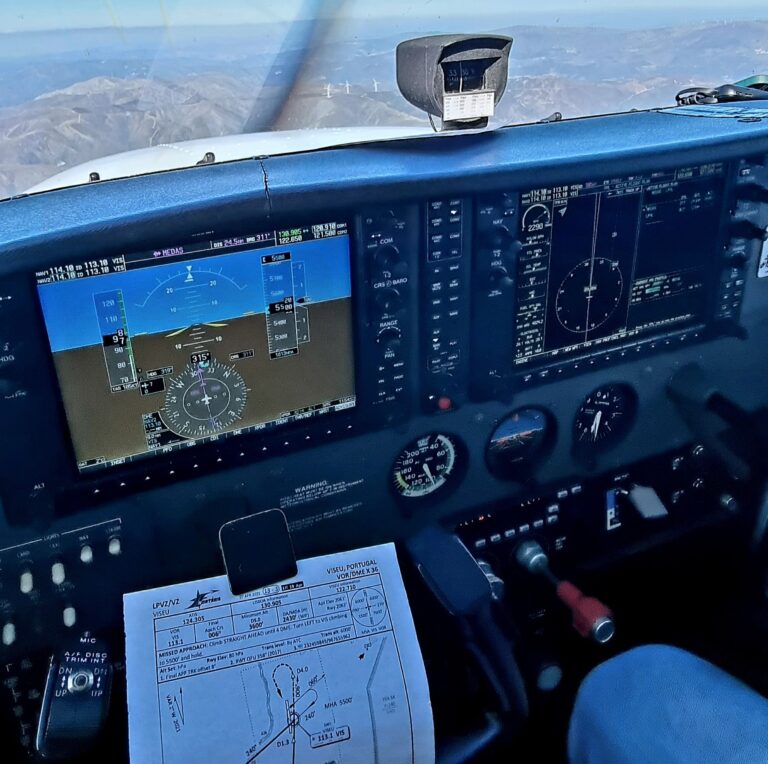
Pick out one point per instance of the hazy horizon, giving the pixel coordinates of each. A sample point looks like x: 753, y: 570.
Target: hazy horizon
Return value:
x: 80, y: 94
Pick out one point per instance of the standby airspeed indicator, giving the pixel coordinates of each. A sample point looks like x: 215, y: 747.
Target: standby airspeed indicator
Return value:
x: 424, y: 466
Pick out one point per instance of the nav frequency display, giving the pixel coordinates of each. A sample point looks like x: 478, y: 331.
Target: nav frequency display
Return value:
x: 164, y: 349
x: 605, y: 261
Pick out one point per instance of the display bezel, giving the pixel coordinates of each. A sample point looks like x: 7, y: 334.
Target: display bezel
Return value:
x: 60, y: 489
x: 549, y: 364
x: 76, y: 488
x: 189, y: 252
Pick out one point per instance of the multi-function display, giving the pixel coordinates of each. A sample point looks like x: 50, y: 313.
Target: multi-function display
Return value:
x: 160, y: 350
x: 605, y: 261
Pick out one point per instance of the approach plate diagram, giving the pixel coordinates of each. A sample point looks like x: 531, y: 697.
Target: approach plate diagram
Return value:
x: 322, y: 668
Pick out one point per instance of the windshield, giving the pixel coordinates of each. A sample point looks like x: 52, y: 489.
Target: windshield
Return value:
x: 89, y: 79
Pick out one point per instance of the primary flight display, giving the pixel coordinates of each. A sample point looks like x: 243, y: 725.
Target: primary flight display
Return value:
x: 160, y: 350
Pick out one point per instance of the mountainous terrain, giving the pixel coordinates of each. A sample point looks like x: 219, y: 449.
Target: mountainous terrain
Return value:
x: 62, y: 104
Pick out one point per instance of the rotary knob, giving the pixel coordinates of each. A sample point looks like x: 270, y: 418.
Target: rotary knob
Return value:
x: 388, y: 300
x: 389, y: 339
x: 745, y: 229
x: 500, y: 237
x: 499, y: 277
x: 753, y: 192
x: 386, y: 256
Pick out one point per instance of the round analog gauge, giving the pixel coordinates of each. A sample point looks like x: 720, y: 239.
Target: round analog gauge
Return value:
x: 204, y: 400
x: 536, y: 218
x: 424, y: 466
x: 605, y: 416
x: 519, y: 440
x: 589, y: 294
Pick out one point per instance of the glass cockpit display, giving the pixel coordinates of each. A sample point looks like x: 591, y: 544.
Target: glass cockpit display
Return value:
x: 160, y: 350
x: 607, y: 261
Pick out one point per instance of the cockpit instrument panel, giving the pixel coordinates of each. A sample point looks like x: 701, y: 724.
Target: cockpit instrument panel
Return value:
x: 604, y: 262
x: 160, y: 350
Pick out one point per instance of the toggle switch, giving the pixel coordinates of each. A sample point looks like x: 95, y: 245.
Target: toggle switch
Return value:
x: 58, y: 574
x: 69, y: 616
x: 9, y: 634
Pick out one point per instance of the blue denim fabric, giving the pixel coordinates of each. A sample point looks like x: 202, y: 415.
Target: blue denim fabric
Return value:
x: 661, y: 705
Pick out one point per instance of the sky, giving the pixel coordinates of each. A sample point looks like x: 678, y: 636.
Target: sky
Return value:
x: 34, y: 15
x: 70, y: 315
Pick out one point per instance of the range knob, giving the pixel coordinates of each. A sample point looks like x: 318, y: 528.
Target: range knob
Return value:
x: 386, y: 256
x: 389, y: 300
x: 389, y: 339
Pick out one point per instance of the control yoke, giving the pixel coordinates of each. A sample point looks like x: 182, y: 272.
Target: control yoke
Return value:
x: 708, y: 412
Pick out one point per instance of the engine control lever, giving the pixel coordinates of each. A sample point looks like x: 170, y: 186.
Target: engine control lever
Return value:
x: 591, y: 618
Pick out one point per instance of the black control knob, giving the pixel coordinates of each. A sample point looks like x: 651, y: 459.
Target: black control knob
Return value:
x: 389, y: 339
x: 389, y: 300
x: 386, y: 256
x: 746, y: 229
x: 499, y: 277
x: 753, y: 192
x: 499, y: 237
x: 736, y: 257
